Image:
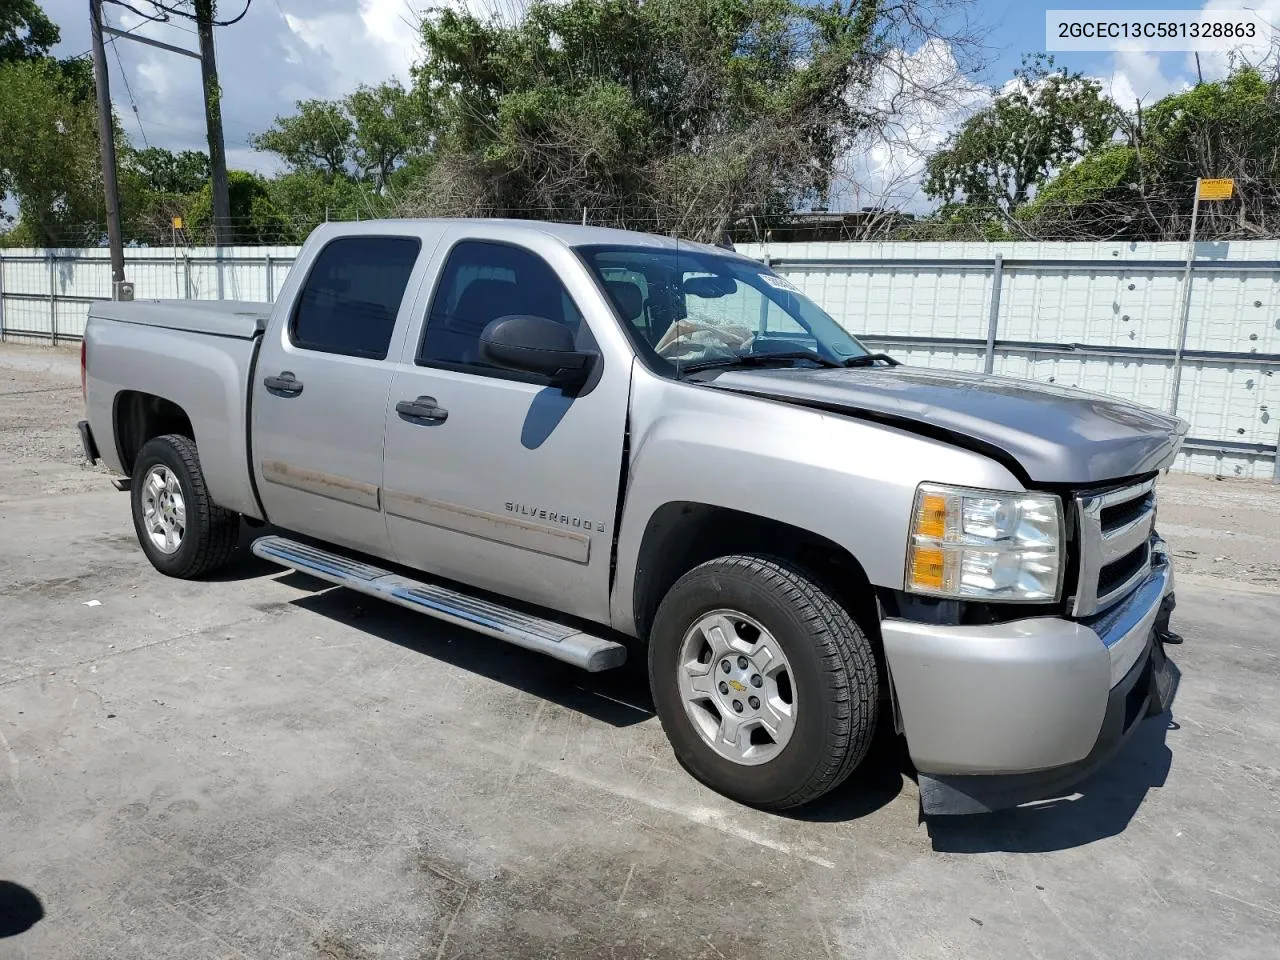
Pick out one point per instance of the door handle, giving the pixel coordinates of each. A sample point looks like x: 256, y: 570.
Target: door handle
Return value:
x: 286, y: 384
x: 422, y: 410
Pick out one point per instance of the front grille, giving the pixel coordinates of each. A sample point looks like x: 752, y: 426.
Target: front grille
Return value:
x: 1117, y: 574
x: 1119, y: 514
x: 1115, y: 533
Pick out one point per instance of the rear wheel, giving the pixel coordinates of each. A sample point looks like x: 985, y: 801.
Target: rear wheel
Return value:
x: 765, y: 685
x: 182, y: 532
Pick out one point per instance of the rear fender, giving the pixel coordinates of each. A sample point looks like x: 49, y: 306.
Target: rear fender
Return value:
x: 206, y: 377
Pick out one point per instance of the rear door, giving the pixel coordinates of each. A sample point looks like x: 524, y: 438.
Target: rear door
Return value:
x: 510, y: 484
x: 321, y: 384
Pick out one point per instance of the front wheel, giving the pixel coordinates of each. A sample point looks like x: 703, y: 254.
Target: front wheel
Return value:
x: 765, y: 685
x: 183, y: 533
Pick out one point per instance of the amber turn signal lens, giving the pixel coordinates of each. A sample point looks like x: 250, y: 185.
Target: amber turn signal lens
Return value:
x: 928, y: 567
x: 932, y: 521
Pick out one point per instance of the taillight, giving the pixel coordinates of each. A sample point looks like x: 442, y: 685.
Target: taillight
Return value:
x: 84, y: 372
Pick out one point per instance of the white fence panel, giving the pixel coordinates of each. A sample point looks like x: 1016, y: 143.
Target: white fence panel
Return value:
x: 44, y: 294
x: 1102, y: 316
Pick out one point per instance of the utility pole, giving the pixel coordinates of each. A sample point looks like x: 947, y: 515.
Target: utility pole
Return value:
x: 1186, y: 303
x: 1209, y: 190
x: 106, y: 136
x: 213, y: 120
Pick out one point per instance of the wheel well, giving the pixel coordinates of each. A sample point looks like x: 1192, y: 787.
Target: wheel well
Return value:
x: 682, y: 535
x: 140, y: 417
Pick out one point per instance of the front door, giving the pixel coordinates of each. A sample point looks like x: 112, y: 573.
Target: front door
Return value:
x: 493, y: 478
x: 320, y: 392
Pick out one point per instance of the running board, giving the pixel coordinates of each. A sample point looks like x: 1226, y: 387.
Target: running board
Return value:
x: 533, y: 633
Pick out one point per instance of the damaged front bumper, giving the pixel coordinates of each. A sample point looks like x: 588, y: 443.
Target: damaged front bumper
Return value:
x: 1004, y: 714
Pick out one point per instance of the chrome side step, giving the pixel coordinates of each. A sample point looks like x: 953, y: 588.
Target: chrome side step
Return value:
x: 533, y: 633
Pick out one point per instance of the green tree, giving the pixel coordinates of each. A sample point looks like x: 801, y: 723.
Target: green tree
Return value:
x: 320, y: 136
x: 43, y: 138
x: 157, y: 185
x: 1097, y: 197
x: 306, y: 198
x: 1144, y: 188
x: 255, y: 218
x: 1043, y: 121
x: 676, y: 115
x: 49, y: 153
x: 390, y: 126
x: 365, y: 136
x: 163, y: 171
x: 26, y: 32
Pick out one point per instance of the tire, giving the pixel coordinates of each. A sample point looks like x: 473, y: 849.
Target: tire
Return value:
x: 209, y: 534
x: 830, y: 675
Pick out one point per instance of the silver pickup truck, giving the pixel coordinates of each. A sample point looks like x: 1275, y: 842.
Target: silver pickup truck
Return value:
x: 591, y: 442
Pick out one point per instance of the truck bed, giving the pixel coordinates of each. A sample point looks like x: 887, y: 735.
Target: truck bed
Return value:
x: 196, y: 356
x: 242, y: 319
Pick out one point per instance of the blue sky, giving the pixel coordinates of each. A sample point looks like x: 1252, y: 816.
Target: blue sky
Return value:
x: 1018, y: 27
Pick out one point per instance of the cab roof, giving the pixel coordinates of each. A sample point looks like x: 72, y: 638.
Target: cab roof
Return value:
x: 570, y: 234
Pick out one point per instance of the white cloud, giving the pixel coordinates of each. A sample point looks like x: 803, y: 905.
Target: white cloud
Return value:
x: 386, y: 41
x: 1139, y: 75
x: 282, y: 51
x: 921, y: 97
x: 1258, y: 52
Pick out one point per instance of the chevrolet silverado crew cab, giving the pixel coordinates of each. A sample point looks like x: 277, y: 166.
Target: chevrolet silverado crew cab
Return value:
x: 594, y: 443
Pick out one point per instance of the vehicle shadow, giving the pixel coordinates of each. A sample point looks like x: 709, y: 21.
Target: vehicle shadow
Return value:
x: 1099, y: 807
x: 617, y: 697
x: 879, y: 779
x: 20, y: 909
x: 245, y: 566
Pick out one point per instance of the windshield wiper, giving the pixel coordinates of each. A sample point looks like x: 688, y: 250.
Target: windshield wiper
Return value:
x: 758, y: 359
x: 869, y: 359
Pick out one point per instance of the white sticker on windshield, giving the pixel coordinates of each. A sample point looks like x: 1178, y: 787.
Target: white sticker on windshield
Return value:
x: 779, y: 283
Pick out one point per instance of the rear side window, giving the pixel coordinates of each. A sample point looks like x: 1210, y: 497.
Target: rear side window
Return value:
x: 481, y: 282
x: 349, y: 302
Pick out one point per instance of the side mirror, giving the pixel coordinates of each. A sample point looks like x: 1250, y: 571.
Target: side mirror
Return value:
x: 535, y: 345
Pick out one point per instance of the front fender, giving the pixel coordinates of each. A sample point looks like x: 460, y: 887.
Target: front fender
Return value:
x: 850, y: 481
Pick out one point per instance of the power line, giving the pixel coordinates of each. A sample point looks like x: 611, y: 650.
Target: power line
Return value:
x: 135, y: 10
x: 179, y: 12
x: 129, y: 90
x: 81, y: 56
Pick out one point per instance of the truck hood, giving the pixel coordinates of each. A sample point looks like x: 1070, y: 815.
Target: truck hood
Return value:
x: 1057, y: 435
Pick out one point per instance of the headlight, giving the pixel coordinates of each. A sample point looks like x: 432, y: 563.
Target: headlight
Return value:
x: 985, y: 545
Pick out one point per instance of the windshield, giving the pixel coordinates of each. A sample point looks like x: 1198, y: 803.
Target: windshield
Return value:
x: 687, y: 310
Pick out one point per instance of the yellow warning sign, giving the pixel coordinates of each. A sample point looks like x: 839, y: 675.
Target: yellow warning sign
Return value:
x: 1216, y: 189
x: 177, y: 221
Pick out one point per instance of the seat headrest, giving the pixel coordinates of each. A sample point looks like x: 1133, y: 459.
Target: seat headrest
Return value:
x: 484, y: 300
x: 627, y: 297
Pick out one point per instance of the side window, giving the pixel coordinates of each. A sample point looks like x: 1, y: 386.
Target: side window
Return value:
x: 481, y: 282
x: 349, y: 301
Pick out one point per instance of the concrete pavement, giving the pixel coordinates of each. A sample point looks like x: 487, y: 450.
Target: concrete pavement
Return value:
x: 262, y: 766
